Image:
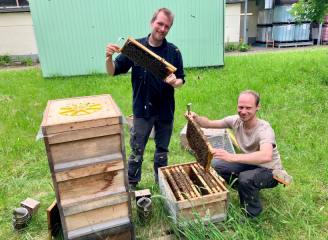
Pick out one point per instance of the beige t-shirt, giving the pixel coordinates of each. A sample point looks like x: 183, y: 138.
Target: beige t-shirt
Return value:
x: 250, y: 140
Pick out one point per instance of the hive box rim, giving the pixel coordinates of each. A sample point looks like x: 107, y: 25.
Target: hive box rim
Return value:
x: 52, y: 128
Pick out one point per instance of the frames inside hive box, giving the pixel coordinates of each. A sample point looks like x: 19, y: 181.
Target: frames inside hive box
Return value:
x: 199, y: 144
x: 147, y: 59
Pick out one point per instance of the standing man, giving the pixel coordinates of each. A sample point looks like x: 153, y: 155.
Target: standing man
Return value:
x: 254, y: 167
x: 153, y: 99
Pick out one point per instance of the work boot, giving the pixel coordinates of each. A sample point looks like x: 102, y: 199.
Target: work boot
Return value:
x: 282, y: 176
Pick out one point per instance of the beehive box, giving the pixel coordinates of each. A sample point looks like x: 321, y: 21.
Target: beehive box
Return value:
x: 85, y: 148
x: 190, y: 192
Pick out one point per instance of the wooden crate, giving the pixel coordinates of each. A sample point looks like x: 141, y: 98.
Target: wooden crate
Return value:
x: 189, y: 190
x: 86, y: 154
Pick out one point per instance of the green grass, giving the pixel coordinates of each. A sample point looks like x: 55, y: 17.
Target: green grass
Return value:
x: 294, y: 90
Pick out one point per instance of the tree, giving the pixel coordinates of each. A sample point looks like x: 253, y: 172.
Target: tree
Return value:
x: 313, y: 10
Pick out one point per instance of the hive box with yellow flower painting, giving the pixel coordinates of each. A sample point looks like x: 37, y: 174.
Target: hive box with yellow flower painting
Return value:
x: 86, y: 154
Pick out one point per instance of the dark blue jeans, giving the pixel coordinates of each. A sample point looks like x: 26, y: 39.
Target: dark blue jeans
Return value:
x: 139, y: 135
x: 249, y: 180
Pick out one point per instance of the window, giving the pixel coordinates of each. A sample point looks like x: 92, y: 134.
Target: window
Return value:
x: 14, y: 6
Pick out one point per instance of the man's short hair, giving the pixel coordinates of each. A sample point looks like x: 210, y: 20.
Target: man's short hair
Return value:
x: 252, y: 92
x: 167, y: 13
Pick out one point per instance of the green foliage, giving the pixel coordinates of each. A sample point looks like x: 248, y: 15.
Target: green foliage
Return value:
x: 4, y: 59
x: 293, y: 87
x: 231, y: 47
x: 27, y: 61
x: 243, y: 47
x: 313, y: 10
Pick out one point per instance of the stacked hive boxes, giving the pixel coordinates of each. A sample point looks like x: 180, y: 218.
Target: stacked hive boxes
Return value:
x: 86, y: 155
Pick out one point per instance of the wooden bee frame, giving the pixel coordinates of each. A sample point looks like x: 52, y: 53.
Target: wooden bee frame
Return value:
x: 199, y: 144
x: 147, y: 59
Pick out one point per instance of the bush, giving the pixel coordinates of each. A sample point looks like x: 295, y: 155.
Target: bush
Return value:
x: 27, y: 61
x: 243, y: 47
x: 4, y: 59
x: 230, y: 47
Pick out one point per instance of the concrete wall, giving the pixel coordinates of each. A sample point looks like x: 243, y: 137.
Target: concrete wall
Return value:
x: 16, y: 34
x: 232, y: 22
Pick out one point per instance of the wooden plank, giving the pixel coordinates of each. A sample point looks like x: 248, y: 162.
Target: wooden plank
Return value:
x: 204, y: 211
x: 191, y: 184
x: 166, y: 191
x: 81, y: 189
x: 200, y: 178
x: 90, y: 204
x: 172, y: 182
x: 218, y: 179
x: 86, y: 148
x: 188, y: 182
x: 122, y: 232
x: 208, y: 178
x: 98, y: 227
x: 96, y: 216
x: 88, y: 161
x: 179, y: 181
x: 53, y: 219
x: 91, y: 132
x: 203, y: 200
x: 89, y: 170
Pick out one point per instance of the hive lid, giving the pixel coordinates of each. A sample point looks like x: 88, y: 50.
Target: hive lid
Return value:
x: 80, y: 112
x: 199, y: 144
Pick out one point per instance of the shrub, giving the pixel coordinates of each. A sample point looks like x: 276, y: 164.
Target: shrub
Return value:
x: 4, y: 59
x: 243, y: 47
x: 230, y: 47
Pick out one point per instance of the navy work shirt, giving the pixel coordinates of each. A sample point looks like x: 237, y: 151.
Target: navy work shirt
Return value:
x: 151, y: 95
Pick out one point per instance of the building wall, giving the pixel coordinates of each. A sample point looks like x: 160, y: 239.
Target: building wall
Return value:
x: 232, y: 22
x: 16, y: 34
x: 72, y: 35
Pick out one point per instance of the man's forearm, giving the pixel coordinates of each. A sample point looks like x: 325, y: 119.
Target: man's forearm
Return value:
x: 252, y: 158
x: 204, y: 122
x: 110, y: 66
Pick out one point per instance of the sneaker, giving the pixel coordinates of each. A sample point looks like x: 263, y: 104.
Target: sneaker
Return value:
x: 282, y: 176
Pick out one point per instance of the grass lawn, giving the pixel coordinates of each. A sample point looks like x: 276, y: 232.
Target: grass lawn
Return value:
x: 294, y: 90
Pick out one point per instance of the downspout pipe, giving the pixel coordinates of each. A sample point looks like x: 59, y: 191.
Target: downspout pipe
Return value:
x: 245, y: 22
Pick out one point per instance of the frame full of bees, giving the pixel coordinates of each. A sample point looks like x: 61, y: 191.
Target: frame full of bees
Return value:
x: 147, y: 59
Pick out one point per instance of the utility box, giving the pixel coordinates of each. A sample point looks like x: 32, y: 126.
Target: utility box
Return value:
x: 86, y: 154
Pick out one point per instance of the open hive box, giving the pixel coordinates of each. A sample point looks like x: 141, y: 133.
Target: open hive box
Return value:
x: 193, y: 189
x: 86, y: 156
x: 190, y: 191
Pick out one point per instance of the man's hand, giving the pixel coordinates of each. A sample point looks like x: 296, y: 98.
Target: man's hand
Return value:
x: 223, y: 155
x: 111, y: 49
x: 173, y: 80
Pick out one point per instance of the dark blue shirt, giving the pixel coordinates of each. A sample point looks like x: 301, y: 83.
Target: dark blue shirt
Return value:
x: 151, y: 95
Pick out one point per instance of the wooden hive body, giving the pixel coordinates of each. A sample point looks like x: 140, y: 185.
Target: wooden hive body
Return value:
x: 189, y: 190
x: 86, y: 154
